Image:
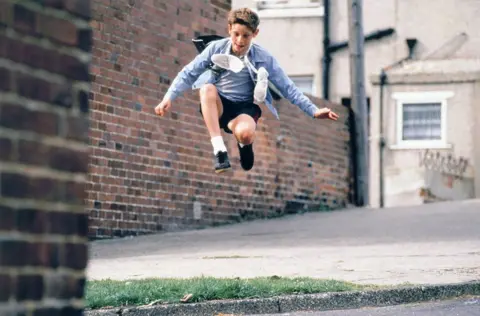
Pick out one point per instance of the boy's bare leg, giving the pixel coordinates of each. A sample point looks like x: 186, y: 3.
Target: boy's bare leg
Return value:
x: 212, y: 109
x: 243, y: 128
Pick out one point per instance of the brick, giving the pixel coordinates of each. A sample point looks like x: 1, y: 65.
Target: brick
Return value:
x: 66, y: 223
x: 81, y: 8
x: 73, y: 68
x: 5, y: 13
x: 38, y: 57
x: 43, y: 90
x: 71, y: 311
x: 18, y: 117
x: 69, y: 160
x: 5, y: 79
x: 33, y: 87
x: 61, y: 30
x: 5, y: 287
x: 48, y: 311
x: 14, y: 185
x: 8, y: 218
x: 76, y: 256
x: 12, y: 253
x: 6, y: 149
x: 24, y: 19
x: 45, y: 255
x: 46, y: 189
x: 29, y: 287
x: 31, y: 221
x: 33, y: 152
x: 21, y: 186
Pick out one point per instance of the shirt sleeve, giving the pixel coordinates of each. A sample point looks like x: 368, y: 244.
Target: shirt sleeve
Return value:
x: 189, y: 74
x: 288, y: 89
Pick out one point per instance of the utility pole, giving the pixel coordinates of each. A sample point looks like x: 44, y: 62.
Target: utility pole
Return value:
x: 359, y: 100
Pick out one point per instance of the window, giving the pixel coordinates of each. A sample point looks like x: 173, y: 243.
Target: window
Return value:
x: 289, y: 8
x: 286, y: 4
x: 421, y: 119
x: 304, y: 83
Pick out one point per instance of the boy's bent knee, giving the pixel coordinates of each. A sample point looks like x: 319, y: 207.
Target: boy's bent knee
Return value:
x: 208, y: 89
x: 245, y: 132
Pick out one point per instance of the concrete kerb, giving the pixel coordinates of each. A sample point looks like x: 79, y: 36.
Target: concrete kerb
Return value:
x: 310, y: 302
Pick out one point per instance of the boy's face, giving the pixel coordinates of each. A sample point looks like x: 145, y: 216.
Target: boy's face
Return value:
x: 241, y: 37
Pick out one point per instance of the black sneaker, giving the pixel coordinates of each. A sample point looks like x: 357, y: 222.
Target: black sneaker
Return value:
x: 246, y: 156
x: 221, y: 162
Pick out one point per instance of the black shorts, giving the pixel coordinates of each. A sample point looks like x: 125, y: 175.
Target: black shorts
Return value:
x: 233, y: 109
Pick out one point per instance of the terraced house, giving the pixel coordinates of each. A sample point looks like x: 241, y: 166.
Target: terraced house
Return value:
x: 422, y: 67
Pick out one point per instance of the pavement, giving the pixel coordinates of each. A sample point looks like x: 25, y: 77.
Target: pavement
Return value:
x: 429, y: 244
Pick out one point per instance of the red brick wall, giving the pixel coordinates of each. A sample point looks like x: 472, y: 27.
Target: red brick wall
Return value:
x: 44, y: 156
x: 152, y: 174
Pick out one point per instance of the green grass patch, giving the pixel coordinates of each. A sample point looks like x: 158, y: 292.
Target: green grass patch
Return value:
x: 109, y: 293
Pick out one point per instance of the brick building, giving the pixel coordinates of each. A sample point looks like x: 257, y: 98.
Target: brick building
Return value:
x: 150, y: 174
x: 44, y: 56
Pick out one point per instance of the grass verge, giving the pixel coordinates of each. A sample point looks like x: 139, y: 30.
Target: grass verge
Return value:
x: 108, y: 293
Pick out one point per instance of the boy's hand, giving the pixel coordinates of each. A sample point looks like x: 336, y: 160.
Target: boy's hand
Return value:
x: 325, y: 113
x: 163, y: 107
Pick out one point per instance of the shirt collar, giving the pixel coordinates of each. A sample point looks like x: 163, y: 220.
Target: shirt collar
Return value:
x: 254, y: 55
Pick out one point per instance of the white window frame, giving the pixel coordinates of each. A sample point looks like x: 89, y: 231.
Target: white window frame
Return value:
x: 418, y: 98
x: 287, y: 4
x: 290, y: 9
x: 307, y: 77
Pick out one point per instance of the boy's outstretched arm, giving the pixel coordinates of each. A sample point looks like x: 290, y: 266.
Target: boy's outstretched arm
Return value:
x: 185, y: 79
x: 288, y: 89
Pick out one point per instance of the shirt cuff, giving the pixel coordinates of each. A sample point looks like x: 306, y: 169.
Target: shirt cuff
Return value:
x: 170, y: 95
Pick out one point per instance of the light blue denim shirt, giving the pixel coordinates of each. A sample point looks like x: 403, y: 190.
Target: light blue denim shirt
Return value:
x: 196, y: 74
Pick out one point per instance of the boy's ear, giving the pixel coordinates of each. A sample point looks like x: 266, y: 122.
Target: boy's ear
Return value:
x: 256, y: 32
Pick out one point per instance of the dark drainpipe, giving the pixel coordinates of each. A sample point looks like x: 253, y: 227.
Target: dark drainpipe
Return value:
x: 326, y: 49
x: 411, y: 42
x: 329, y: 49
x: 381, y: 144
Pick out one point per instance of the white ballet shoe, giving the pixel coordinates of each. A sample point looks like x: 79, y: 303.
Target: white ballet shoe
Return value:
x: 229, y: 62
x: 260, y: 92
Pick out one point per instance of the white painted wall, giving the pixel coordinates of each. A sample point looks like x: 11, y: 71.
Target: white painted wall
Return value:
x: 404, y: 177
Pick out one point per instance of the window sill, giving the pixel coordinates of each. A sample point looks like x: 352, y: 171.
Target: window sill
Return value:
x: 291, y: 13
x: 421, y: 145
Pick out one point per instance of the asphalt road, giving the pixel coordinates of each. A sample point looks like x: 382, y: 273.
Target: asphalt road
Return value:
x: 459, y: 307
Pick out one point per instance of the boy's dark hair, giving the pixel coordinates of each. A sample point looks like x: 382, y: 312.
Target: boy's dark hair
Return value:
x: 244, y: 16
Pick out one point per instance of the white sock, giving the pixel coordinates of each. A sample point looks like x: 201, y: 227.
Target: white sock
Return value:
x: 218, y: 144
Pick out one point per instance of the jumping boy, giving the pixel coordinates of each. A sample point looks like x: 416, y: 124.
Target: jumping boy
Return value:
x: 229, y: 99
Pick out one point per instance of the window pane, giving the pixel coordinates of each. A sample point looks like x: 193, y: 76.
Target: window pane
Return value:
x: 285, y: 4
x: 304, y: 84
x: 422, y: 121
